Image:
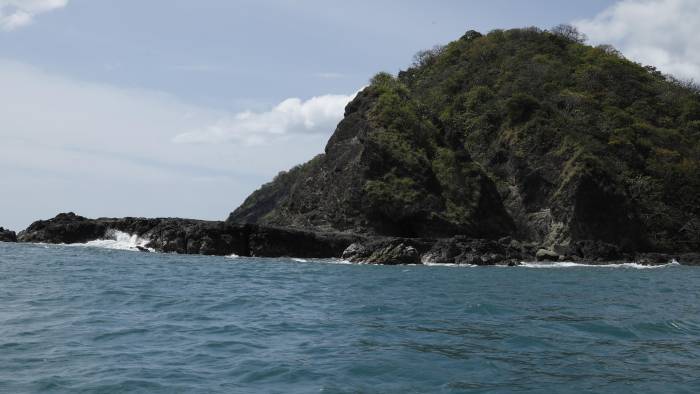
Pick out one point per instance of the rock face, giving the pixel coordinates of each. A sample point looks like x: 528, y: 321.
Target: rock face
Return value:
x: 361, y: 185
x: 7, y: 235
x: 521, y: 133
x: 457, y: 250
x: 388, y: 251
x: 463, y: 251
x: 189, y: 236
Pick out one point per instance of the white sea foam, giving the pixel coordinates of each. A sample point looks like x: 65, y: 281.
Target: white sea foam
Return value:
x: 569, y: 264
x: 429, y: 264
x: 328, y: 261
x: 119, y: 240
x: 232, y: 256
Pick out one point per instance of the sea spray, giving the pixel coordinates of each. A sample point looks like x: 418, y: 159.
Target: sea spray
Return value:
x: 115, y: 239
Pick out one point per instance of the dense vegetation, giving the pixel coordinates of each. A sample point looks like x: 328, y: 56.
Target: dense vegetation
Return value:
x: 579, y: 142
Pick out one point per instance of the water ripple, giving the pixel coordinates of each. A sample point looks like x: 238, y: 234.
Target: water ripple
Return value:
x: 91, y: 320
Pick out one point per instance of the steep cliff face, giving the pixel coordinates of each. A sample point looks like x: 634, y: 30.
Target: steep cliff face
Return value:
x: 379, y: 176
x: 524, y: 133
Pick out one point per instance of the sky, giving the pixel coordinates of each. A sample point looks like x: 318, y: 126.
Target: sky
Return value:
x: 182, y: 108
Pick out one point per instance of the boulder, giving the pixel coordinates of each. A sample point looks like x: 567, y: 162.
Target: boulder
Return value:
x: 546, y: 255
x: 391, y: 251
x: 465, y: 251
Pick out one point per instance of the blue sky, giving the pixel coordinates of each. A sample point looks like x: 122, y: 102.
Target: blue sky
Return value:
x: 183, y: 107
x: 238, y: 54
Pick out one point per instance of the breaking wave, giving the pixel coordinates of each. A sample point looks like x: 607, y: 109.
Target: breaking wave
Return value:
x: 120, y: 240
x: 568, y: 264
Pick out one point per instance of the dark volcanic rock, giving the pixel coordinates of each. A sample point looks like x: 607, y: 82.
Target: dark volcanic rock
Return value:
x: 389, y: 251
x: 590, y: 250
x: 65, y: 228
x: 689, y: 259
x: 464, y: 251
x: 456, y: 250
x: 274, y: 242
x: 188, y: 236
x: 7, y: 235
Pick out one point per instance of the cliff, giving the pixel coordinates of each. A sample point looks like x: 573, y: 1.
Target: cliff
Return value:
x: 522, y: 133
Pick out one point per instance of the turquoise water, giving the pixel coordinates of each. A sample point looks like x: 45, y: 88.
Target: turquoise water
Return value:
x: 79, y: 319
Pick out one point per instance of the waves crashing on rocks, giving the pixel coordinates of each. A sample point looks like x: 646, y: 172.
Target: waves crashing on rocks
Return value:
x: 115, y: 239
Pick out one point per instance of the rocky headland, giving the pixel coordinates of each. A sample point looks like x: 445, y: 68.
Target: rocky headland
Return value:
x: 517, y: 145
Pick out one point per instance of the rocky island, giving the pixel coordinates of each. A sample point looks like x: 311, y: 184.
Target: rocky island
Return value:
x: 493, y: 149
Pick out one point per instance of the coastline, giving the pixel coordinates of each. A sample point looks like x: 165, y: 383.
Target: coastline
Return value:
x: 218, y: 238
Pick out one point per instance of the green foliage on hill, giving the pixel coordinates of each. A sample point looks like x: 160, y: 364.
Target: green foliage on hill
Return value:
x: 565, y: 109
x: 522, y: 132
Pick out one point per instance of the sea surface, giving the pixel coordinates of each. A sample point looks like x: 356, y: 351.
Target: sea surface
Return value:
x: 89, y: 319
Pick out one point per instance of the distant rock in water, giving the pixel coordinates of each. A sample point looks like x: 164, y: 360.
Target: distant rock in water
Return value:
x: 521, y: 133
x: 7, y: 235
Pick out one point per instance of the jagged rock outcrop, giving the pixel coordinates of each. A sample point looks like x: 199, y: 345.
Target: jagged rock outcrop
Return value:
x: 7, y: 235
x: 506, y: 251
x: 458, y: 250
x: 188, y: 236
x: 388, y: 251
x: 522, y: 133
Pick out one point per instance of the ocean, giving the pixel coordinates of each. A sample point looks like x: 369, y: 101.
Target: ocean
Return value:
x: 84, y: 319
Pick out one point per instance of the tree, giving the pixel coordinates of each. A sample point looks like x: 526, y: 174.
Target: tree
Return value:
x: 610, y: 50
x: 427, y: 56
x: 570, y: 33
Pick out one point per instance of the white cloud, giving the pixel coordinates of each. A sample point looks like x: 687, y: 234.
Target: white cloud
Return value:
x: 106, y: 151
x: 317, y: 115
x: 17, y: 13
x: 662, y: 33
